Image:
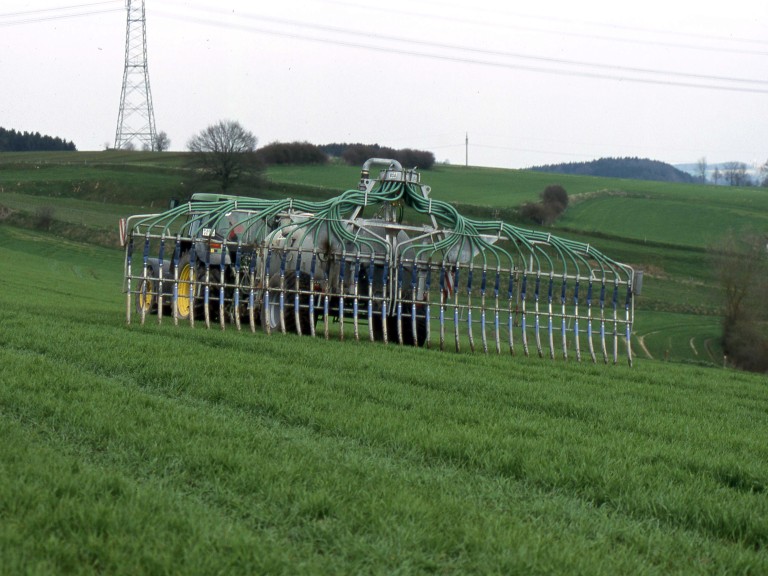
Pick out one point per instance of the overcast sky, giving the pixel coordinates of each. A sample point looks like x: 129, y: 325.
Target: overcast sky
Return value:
x: 529, y: 82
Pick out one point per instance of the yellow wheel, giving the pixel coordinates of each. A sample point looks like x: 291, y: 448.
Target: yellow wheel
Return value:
x: 146, y: 296
x: 186, y: 294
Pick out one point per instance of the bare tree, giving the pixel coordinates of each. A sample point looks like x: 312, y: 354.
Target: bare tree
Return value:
x: 717, y: 175
x: 224, y: 152
x: 701, y: 169
x: 764, y: 175
x: 162, y: 142
x: 735, y: 174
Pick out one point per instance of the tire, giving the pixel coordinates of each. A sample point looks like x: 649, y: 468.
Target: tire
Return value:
x: 146, y: 294
x: 187, y: 294
x: 270, y: 316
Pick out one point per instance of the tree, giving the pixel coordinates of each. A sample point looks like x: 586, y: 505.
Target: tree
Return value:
x: 162, y: 142
x: 717, y: 175
x: 554, y: 201
x: 291, y: 153
x: 224, y: 152
x: 735, y: 174
x: 13, y: 141
x: 701, y: 169
x: 764, y: 175
x: 356, y: 154
x: 742, y: 268
x: 556, y: 196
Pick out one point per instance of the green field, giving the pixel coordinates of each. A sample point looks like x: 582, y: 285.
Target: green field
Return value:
x: 664, y: 229
x: 171, y: 450
x: 162, y: 449
x: 675, y: 214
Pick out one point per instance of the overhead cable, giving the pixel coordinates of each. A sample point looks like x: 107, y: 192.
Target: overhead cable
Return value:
x: 491, y: 63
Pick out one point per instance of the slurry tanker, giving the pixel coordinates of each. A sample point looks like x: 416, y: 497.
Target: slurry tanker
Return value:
x: 353, y: 267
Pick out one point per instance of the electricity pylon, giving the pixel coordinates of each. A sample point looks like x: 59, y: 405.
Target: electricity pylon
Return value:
x: 136, y: 119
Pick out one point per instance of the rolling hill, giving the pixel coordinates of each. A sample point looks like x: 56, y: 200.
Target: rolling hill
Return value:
x: 629, y: 168
x: 646, y: 224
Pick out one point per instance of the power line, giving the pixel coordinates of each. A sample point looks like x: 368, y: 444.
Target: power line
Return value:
x: 485, y: 62
x: 505, y: 54
x: 570, y: 33
x: 59, y: 9
x: 35, y: 16
x: 621, y: 27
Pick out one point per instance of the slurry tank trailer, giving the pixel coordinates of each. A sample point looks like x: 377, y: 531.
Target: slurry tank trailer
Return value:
x: 352, y: 267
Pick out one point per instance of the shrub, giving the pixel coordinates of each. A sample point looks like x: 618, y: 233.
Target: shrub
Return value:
x: 741, y: 264
x: 554, y: 201
x: 555, y: 195
x: 44, y: 217
x: 745, y: 345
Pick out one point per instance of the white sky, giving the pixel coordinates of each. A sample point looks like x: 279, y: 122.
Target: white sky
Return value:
x: 530, y: 82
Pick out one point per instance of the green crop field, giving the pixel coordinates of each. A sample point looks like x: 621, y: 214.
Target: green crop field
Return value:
x: 664, y: 229
x: 676, y: 214
x: 658, y: 219
x: 162, y: 449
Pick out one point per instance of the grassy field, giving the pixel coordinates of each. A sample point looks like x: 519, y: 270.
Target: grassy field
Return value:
x: 658, y: 219
x: 157, y: 449
x: 676, y: 214
x: 661, y: 228
x: 656, y: 212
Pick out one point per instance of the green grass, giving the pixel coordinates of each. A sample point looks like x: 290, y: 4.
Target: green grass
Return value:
x: 662, y: 228
x: 496, y: 187
x: 70, y: 210
x: 670, y: 219
x: 162, y: 449
x: 621, y: 218
x: 679, y: 337
x: 142, y: 185
x: 682, y: 215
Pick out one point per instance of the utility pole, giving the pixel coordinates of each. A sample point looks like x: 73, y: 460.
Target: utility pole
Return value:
x: 136, y: 118
x: 466, y: 150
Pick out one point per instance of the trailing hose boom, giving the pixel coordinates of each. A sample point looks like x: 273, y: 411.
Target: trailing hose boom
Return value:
x: 350, y: 267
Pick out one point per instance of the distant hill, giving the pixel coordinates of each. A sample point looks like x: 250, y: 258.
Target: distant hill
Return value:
x: 632, y: 168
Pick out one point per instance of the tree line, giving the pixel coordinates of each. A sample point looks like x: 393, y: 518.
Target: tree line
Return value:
x: 352, y: 154
x: 226, y: 152
x: 634, y: 168
x: 357, y: 154
x: 731, y: 174
x: 13, y: 141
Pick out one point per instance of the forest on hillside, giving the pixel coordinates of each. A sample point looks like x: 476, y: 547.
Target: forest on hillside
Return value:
x: 633, y: 168
x: 14, y: 141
